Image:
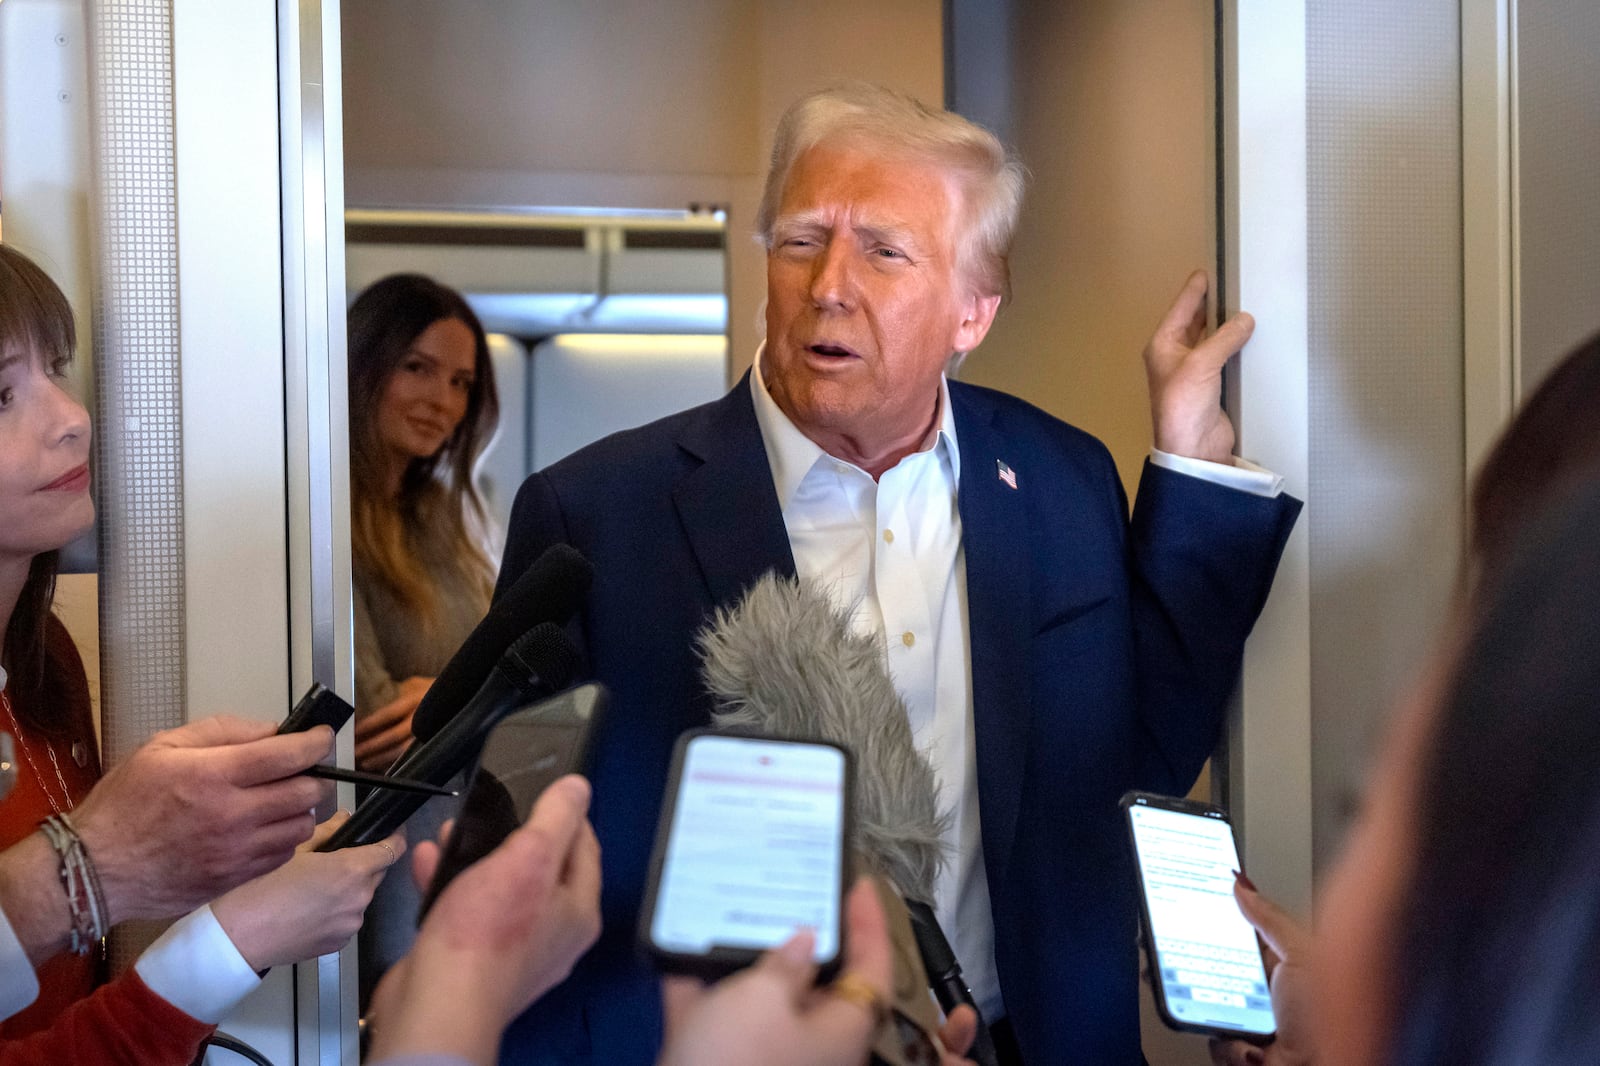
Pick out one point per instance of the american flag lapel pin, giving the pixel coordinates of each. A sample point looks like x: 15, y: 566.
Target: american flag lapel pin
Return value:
x: 1008, y: 475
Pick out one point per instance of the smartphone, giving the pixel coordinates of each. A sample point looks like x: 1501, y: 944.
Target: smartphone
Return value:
x: 753, y: 844
x: 1206, y: 959
x: 522, y: 756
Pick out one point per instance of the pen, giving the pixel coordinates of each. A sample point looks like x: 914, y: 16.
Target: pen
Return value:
x: 361, y: 777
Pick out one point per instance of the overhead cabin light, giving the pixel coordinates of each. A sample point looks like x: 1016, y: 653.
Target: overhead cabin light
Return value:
x: 539, y: 314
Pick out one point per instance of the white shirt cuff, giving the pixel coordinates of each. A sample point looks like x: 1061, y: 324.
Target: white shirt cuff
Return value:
x: 19, y: 985
x: 1242, y: 475
x: 196, y: 968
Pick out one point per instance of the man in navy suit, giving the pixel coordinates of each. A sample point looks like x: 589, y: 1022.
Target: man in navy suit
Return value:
x: 1051, y: 652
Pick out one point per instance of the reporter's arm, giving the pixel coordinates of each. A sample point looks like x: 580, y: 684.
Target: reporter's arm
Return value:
x: 505, y: 931
x: 122, y: 1022
x: 33, y: 899
x: 197, y: 811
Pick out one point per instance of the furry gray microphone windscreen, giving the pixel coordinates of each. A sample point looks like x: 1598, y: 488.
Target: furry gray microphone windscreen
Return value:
x: 785, y: 661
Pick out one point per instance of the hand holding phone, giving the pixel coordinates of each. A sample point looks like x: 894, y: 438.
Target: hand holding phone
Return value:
x: 753, y: 844
x: 527, y: 751
x: 1209, y: 975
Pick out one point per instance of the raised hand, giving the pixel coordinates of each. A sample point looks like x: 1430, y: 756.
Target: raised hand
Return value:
x: 1184, y: 367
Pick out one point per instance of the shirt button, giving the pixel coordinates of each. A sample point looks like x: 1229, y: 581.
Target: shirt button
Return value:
x: 908, y: 638
x: 888, y: 536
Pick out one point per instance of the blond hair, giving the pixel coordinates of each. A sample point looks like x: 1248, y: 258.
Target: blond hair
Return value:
x: 992, y: 178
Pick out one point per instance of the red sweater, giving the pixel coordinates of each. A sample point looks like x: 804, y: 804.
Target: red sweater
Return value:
x: 122, y: 1024
x: 65, y: 696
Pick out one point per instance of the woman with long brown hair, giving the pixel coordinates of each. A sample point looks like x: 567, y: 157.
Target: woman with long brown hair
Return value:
x: 422, y: 406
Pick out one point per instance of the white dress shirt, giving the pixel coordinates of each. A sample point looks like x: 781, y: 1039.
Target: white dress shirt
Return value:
x: 19, y: 985
x: 891, y: 552
x: 195, y: 967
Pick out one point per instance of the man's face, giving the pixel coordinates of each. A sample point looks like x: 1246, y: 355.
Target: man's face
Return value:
x: 865, y: 304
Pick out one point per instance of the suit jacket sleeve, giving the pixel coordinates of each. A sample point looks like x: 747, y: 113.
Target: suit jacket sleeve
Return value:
x: 1202, y: 558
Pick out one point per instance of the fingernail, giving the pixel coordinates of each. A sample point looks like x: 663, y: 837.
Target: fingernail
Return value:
x: 1240, y: 876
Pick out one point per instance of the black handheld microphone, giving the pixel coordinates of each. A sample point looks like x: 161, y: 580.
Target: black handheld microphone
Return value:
x: 551, y: 590
x: 784, y: 660
x: 945, y: 978
x: 542, y: 662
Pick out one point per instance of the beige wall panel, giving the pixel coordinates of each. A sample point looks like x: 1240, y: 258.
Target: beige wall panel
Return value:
x: 618, y: 103
x: 622, y: 86
x: 1115, y: 123
x: 1558, y: 211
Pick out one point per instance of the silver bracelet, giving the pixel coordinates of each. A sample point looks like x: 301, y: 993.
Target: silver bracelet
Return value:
x: 80, y: 881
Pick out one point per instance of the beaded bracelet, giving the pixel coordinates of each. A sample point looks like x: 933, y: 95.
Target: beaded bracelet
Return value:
x: 80, y: 881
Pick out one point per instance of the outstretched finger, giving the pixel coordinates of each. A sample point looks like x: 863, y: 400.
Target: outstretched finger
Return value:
x: 1278, y: 928
x: 1191, y: 301
x: 582, y: 874
x: 552, y: 829
x: 216, y: 731
x: 424, y: 863
x: 868, y: 952
x: 790, y: 965
x: 273, y: 758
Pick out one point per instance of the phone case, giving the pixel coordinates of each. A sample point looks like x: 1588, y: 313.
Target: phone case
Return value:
x: 720, y: 962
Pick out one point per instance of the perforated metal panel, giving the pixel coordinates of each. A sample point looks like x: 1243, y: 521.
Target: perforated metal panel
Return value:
x: 1558, y: 203
x: 1384, y: 216
x: 139, y: 454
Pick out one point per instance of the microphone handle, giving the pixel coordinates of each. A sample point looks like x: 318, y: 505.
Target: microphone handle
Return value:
x: 945, y: 979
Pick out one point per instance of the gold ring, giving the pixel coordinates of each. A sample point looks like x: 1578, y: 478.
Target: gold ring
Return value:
x: 853, y: 988
x: 393, y: 858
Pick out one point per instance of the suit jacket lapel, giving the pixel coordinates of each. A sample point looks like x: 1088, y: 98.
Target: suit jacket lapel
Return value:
x: 994, y: 532
x: 728, y: 505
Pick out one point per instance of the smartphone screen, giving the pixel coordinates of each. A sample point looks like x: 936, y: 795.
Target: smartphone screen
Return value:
x: 523, y: 755
x: 754, y: 849
x: 1203, y: 952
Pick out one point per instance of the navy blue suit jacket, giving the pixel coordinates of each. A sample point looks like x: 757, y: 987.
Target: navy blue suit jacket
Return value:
x: 1104, y: 652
